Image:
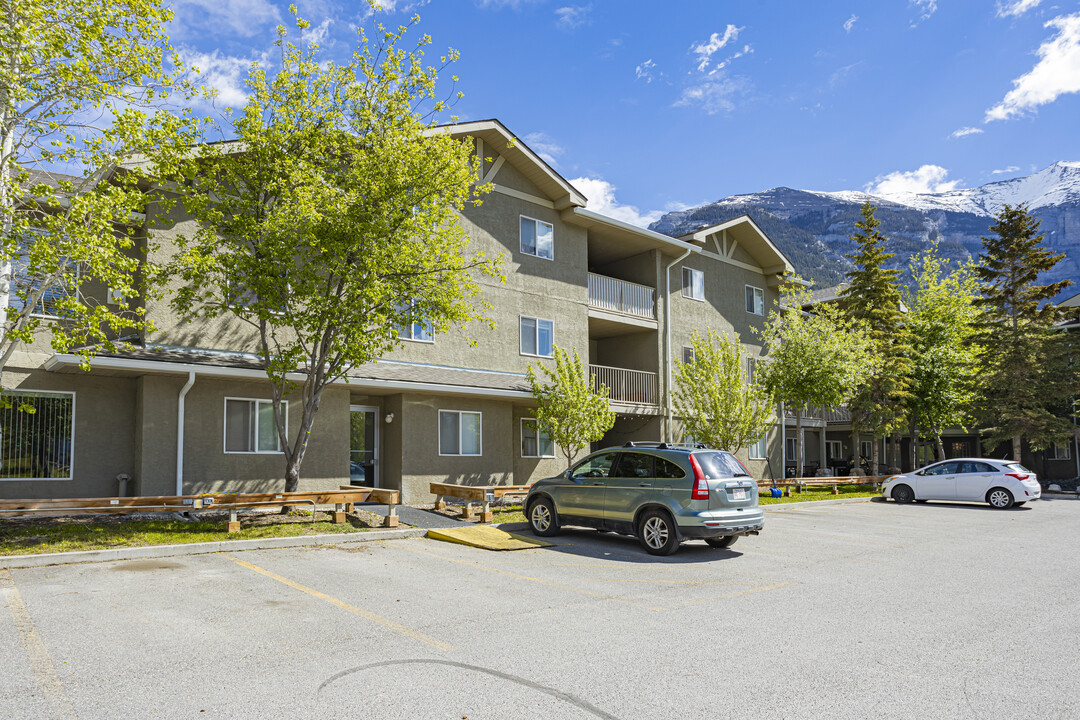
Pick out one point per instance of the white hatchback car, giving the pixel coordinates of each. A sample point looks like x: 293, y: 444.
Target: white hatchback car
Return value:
x: 1001, y: 483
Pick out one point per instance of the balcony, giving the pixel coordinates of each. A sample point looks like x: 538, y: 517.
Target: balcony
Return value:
x: 626, y: 387
x: 620, y: 296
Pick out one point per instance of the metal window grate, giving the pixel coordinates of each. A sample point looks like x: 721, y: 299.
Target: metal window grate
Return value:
x: 37, y: 435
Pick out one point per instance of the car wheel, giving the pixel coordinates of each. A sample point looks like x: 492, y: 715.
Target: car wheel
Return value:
x: 902, y: 494
x: 999, y: 498
x: 657, y: 533
x: 722, y: 542
x: 542, y: 518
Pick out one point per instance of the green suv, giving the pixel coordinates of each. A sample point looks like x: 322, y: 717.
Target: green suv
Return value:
x: 661, y: 493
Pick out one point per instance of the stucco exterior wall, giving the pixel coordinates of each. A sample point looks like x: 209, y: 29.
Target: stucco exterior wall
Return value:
x: 104, y: 432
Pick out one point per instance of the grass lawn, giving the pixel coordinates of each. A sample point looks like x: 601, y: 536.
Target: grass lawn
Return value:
x: 21, y: 536
x: 820, y: 493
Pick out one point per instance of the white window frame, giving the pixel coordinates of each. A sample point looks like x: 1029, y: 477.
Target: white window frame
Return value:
x: 536, y: 336
x: 539, y: 432
x: 687, y: 354
x: 751, y: 369
x: 256, y: 451
x: 410, y: 328
x: 17, y: 262
x: 536, y: 235
x: 758, y: 300
x: 689, y: 285
x: 479, y: 431
x: 1060, y: 451
x: 831, y: 445
x: 757, y: 450
x: 866, y: 449
x: 11, y: 397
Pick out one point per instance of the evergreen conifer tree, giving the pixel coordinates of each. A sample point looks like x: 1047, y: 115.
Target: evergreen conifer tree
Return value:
x: 873, y: 298
x: 1025, y: 379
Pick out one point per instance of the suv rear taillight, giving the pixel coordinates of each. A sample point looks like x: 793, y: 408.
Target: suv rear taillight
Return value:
x: 701, y: 486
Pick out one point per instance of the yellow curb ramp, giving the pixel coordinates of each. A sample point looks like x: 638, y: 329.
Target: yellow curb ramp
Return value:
x: 486, y: 537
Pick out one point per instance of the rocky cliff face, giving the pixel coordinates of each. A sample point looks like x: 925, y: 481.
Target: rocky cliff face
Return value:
x: 813, y: 228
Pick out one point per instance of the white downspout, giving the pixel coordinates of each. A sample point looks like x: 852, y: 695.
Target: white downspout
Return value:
x: 180, y: 433
x: 783, y: 442
x: 667, y: 337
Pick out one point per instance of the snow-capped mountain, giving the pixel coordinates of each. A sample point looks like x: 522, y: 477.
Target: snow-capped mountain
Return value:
x: 812, y: 228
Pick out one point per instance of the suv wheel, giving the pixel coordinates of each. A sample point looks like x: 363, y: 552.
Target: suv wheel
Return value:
x: 657, y: 533
x: 542, y: 518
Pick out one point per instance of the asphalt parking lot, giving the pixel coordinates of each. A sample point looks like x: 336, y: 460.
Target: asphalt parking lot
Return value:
x: 834, y: 611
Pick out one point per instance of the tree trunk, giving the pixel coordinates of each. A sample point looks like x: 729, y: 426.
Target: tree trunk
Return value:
x: 939, y: 447
x: 875, y: 455
x: 798, y: 442
x: 1016, y: 448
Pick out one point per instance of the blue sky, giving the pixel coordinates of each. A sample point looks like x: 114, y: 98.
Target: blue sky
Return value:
x: 649, y: 107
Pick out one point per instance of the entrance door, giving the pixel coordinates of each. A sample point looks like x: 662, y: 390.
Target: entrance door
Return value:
x: 364, y: 445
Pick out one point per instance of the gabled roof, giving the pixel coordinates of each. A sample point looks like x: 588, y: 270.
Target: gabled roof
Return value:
x: 516, y: 152
x: 750, y: 237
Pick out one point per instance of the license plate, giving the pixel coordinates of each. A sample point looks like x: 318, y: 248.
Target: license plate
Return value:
x: 738, y: 494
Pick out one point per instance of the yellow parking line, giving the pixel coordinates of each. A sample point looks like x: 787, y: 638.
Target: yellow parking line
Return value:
x: 367, y: 615
x: 40, y: 663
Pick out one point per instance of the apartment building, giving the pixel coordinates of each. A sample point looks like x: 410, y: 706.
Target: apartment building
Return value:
x: 189, y: 410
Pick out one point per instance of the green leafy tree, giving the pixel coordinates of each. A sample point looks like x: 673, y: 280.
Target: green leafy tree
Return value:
x: 83, y: 87
x: 941, y: 319
x: 872, y: 298
x: 1023, y: 361
x: 332, y: 221
x: 712, y: 396
x: 816, y: 357
x: 569, y: 407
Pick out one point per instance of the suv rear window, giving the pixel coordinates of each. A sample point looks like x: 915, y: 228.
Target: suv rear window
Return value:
x: 720, y: 465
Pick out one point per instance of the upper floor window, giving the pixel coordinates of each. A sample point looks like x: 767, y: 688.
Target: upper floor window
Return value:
x: 537, y: 238
x: 37, y: 435
x: 693, y: 283
x: 416, y: 331
x: 250, y: 426
x: 27, y: 280
x: 751, y: 364
x: 687, y: 354
x: 755, y: 300
x: 536, y: 336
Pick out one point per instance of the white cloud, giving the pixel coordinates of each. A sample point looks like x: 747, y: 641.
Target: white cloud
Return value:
x: 926, y: 8
x: 548, y: 150
x: 1004, y: 171
x: 1057, y: 72
x: 571, y: 18
x: 707, y: 49
x: 223, y: 73
x: 317, y: 33
x: 240, y: 17
x: 601, y: 195
x: 1016, y: 8
x: 714, y: 94
x: 964, y: 131
x: 850, y: 22
x: 927, y: 179
x: 644, y: 71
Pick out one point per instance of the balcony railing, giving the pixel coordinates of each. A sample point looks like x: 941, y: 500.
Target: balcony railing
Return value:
x: 814, y: 412
x: 637, y: 387
x: 620, y: 296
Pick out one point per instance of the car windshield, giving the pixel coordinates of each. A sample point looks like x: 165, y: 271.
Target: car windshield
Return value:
x: 720, y: 465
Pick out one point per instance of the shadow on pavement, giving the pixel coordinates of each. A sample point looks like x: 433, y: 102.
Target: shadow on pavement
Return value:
x: 586, y: 542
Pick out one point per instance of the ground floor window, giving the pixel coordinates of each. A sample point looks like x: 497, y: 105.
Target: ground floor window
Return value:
x: 757, y: 450
x: 535, y: 442
x: 37, y: 435
x: 459, y: 432
x: 866, y: 449
x: 834, y: 450
x: 250, y: 426
x: 1059, y: 452
x: 790, y: 449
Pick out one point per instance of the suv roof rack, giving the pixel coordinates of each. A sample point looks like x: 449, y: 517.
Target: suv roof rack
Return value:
x: 665, y: 445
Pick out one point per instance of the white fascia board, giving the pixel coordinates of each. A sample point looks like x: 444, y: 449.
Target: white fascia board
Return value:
x: 702, y: 234
x: 479, y: 128
x: 590, y: 217
x: 61, y: 361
